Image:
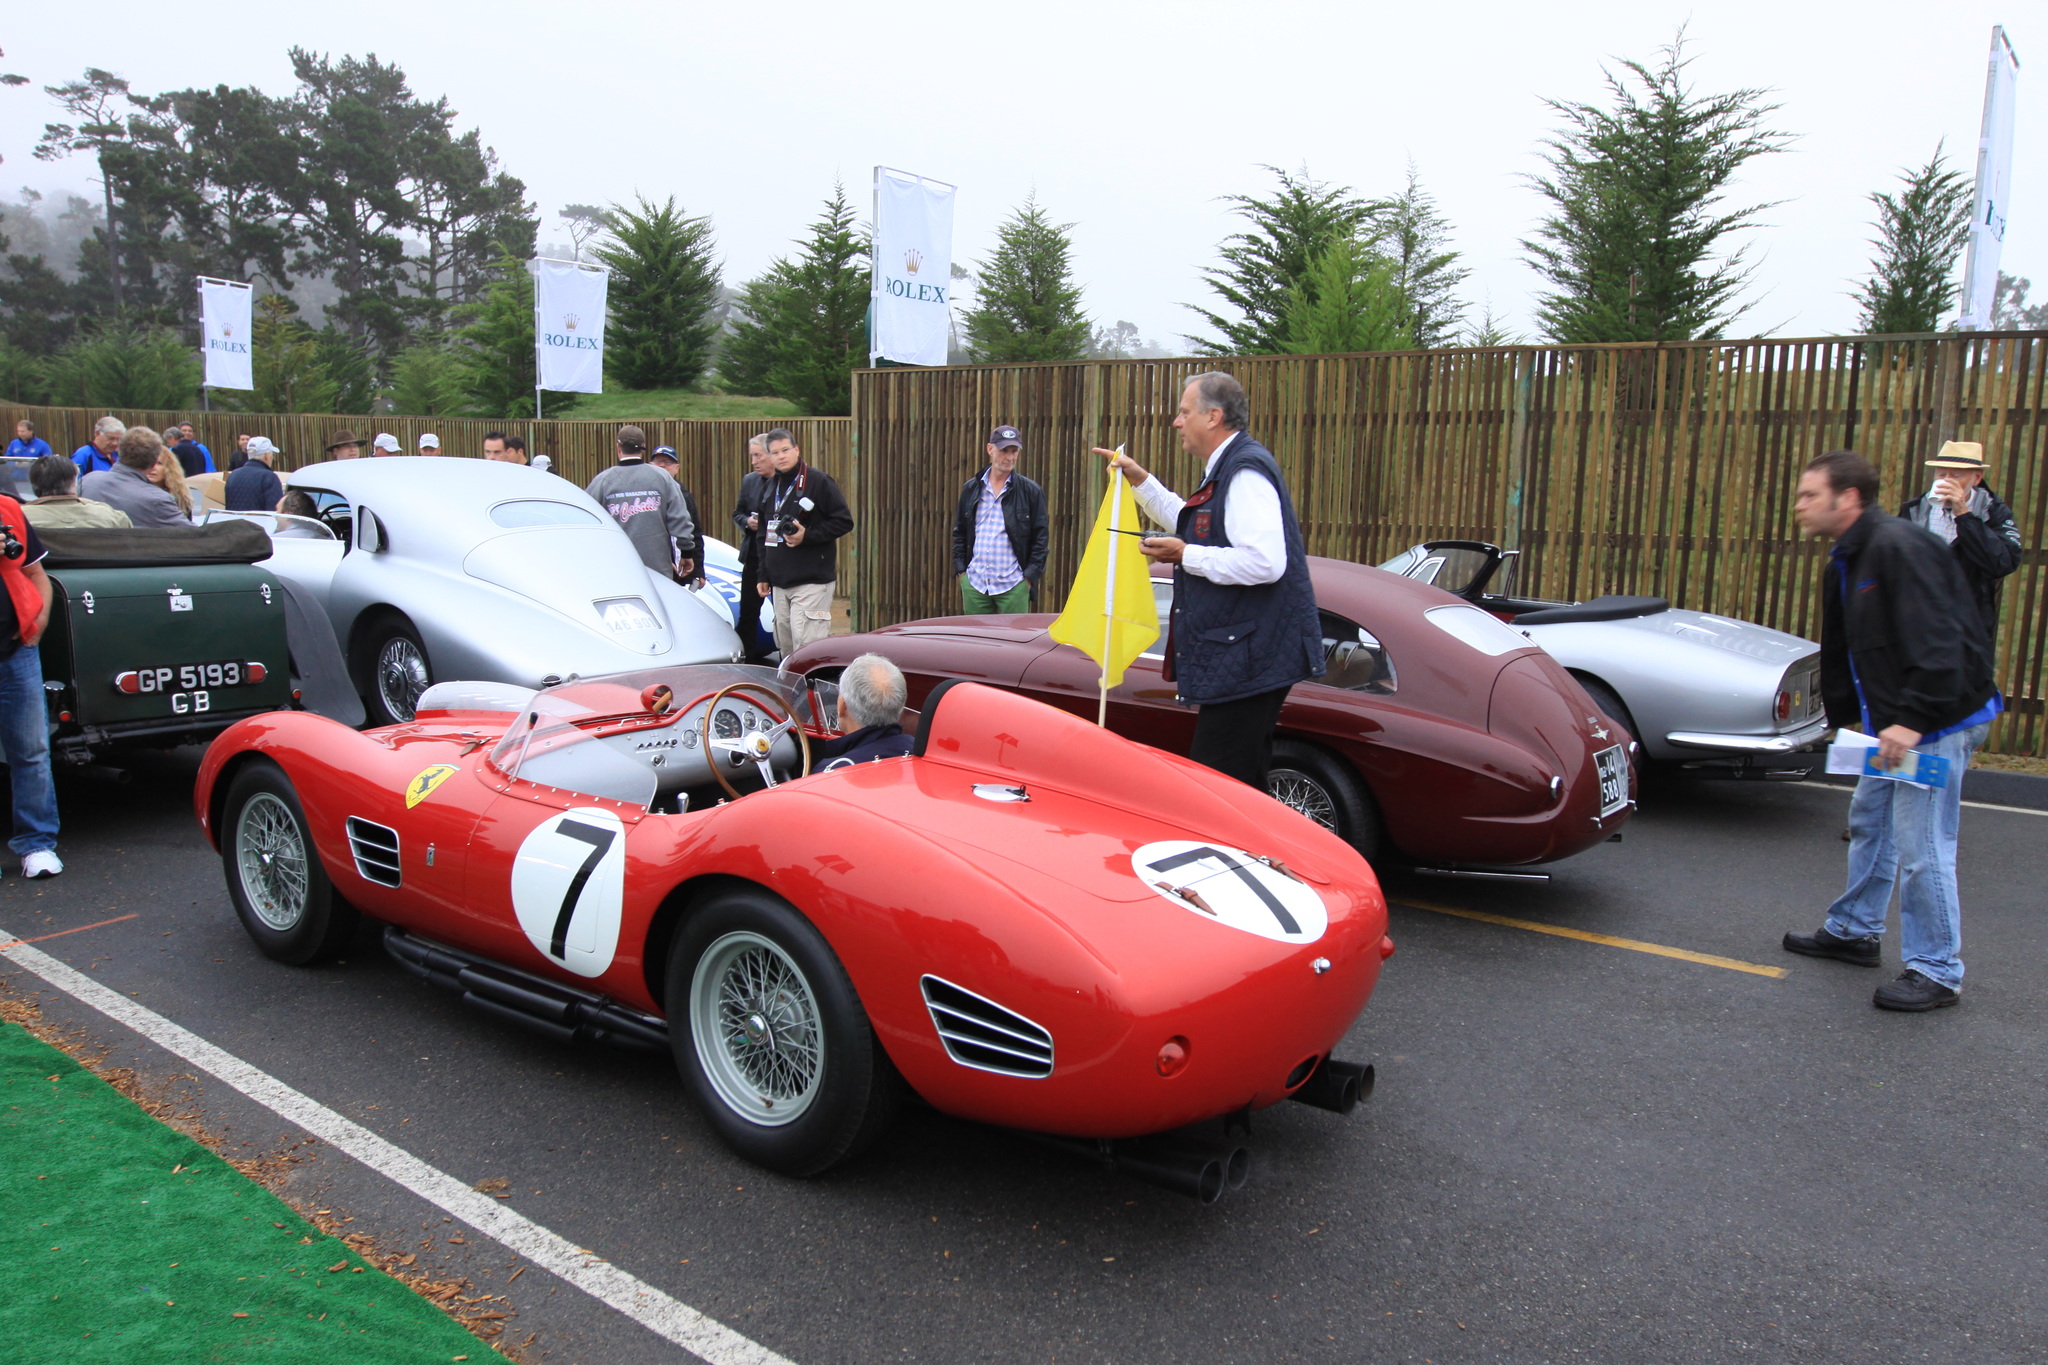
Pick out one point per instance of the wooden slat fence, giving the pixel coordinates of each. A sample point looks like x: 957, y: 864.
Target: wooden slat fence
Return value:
x: 1661, y: 469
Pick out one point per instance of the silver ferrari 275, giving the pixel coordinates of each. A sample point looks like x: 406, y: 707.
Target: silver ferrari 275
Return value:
x: 1714, y: 696
x: 440, y: 568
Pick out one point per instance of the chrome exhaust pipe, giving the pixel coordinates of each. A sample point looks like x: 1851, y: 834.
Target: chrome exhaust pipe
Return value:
x: 1336, y: 1086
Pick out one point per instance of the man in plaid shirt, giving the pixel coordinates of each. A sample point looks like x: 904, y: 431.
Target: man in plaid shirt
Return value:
x: 1000, y: 533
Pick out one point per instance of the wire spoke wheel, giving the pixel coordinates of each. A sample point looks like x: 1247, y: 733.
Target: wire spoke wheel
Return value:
x: 270, y: 855
x: 757, y: 1028
x: 1291, y: 787
x: 401, y: 676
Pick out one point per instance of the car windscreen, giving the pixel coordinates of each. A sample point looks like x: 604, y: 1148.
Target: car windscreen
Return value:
x: 524, y: 512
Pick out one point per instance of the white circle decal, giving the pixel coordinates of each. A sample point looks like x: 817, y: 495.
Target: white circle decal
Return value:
x: 1232, y: 887
x: 569, y: 888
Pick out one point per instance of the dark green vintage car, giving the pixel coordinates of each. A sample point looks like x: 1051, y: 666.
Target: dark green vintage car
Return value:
x: 163, y: 637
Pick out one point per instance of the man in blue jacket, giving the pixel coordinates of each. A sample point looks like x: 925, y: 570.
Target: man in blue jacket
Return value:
x: 98, y: 454
x: 1244, y: 627
x: 26, y: 445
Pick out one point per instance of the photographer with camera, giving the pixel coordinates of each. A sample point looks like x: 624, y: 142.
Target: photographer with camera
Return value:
x: 24, y: 715
x: 802, y: 518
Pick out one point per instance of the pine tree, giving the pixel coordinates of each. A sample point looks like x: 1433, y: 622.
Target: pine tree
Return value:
x: 1410, y: 231
x: 800, y: 329
x: 1921, y: 233
x: 663, y: 288
x: 1027, y: 305
x: 496, y: 346
x: 1638, y: 192
x: 286, y: 365
x: 1262, y: 265
x: 428, y: 379
x: 1350, y: 299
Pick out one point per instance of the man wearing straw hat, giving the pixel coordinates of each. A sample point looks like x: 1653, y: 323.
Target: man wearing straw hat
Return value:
x: 1977, y: 526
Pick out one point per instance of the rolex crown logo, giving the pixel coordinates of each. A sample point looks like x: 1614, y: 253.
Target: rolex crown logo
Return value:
x: 569, y: 321
x: 912, y: 259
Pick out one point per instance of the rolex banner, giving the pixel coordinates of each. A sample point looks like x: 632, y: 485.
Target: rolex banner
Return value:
x: 224, y: 318
x: 568, y: 326
x: 913, y: 310
x: 1994, y: 186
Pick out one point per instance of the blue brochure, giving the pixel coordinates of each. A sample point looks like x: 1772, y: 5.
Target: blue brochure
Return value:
x: 1929, y: 770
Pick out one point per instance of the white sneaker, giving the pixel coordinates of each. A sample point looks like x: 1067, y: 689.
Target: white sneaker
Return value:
x: 42, y: 863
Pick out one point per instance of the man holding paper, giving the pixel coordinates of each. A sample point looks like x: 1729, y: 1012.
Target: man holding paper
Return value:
x: 1903, y: 659
x: 1244, y: 626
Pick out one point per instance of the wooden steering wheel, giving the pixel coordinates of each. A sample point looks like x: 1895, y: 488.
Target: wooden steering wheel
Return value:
x: 758, y: 746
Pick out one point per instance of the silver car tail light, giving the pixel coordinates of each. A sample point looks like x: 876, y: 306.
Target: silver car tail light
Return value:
x: 981, y: 1034
x: 375, y: 849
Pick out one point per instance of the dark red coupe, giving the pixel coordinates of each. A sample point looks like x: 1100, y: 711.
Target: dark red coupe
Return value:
x: 1439, y: 736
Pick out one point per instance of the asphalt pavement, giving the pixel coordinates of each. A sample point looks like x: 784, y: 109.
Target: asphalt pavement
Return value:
x: 1576, y: 1151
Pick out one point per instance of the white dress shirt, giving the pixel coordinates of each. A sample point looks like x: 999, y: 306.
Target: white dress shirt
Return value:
x: 1257, y: 552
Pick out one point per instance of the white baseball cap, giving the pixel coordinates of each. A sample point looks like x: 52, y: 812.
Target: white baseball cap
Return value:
x: 430, y: 441
x: 260, y: 445
x: 386, y: 441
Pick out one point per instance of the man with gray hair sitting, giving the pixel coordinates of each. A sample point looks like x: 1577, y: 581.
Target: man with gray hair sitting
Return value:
x: 58, y: 506
x: 871, y: 697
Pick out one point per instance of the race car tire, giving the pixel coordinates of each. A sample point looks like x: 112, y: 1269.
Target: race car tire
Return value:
x: 1609, y: 703
x: 280, y: 892
x: 770, y: 1036
x: 1323, y: 787
x: 395, y: 668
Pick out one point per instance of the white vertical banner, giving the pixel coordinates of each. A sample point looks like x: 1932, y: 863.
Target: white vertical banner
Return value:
x: 568, y: 326
x: 1994, y: 185
x: 225, y: 317
x: 913, y: 269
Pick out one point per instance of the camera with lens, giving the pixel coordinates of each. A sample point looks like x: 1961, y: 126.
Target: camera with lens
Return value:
x: 782, y: 526
x: 10, y: 545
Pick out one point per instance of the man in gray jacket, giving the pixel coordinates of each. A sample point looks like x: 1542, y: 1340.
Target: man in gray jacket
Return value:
x: 135, y: 484
x: 646, y: 502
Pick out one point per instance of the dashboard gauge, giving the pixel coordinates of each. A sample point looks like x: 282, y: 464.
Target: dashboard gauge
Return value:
x: 726, y: 723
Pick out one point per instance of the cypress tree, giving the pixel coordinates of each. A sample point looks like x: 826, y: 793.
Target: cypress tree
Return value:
x: 1921, y: 233
x: 663, y: 289
x: 1027, y: 306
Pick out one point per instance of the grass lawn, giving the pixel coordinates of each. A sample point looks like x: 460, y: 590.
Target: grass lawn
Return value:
x: 674, y: 404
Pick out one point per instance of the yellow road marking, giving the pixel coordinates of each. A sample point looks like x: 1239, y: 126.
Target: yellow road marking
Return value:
x: 1635, y: 945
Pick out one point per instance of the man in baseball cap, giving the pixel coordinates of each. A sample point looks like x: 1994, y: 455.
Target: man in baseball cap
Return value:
x: 1978, y: 527
x: 1000, y: 532
x: 254, y: 487
x: 430, y: 444
x: 689, y: 560
x: 386, y: 444
x: 343, y: 445
x: 647, y: 504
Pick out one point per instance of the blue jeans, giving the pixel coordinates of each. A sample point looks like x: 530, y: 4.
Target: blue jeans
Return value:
x: 25, y: 738
x: 1899, y: 833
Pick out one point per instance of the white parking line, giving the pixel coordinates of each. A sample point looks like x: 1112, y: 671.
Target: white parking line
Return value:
x: 1977, y: 805
x: 702, y: 1336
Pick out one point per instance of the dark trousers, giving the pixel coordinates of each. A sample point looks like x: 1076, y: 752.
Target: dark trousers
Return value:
x: 1236, y: 737
x: 750, y: 608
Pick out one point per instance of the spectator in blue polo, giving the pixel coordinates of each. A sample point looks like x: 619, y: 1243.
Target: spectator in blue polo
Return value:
x: 97, y: 455
x: 1000, y: 533
x: 26, y: 445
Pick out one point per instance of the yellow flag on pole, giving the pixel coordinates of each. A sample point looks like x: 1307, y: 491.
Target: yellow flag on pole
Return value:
x: 1110, y: 615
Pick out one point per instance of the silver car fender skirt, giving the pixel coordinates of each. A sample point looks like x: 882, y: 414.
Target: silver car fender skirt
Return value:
x: 1810, y: 733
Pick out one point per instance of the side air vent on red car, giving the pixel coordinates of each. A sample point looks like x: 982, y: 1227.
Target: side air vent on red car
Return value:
x: 375, y: 848
x: 980, y: 1033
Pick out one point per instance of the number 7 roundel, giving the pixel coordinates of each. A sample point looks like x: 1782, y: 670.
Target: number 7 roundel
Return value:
x: 569, y: 888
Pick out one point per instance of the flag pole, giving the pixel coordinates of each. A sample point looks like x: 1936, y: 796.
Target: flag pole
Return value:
x: 1116, y: 508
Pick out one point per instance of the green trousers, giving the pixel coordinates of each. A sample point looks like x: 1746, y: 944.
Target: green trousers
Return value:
x: 974, y: 602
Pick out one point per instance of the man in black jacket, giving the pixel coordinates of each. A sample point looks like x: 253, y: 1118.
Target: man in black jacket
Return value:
x: 803, y: 516
x: 1901, y: 659
x: 1000, y: 533
x: 746, y: 516
x: 1977, y: 526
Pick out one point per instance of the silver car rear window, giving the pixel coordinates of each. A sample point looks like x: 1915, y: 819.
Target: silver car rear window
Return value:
x: 541, y: 512
x: 1476, y: 628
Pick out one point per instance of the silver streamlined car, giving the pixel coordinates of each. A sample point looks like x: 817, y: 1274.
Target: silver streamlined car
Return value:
x: 1716, y: 696
x: 441, y: 568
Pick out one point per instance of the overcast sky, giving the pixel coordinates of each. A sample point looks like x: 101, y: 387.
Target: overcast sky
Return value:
x: 1130, y: 119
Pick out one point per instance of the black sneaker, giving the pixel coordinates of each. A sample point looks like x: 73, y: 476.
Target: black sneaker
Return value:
x: 1857, y: 952
x: 1913, y: 991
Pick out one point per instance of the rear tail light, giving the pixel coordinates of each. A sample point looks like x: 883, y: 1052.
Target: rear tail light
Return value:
x: 1784, y: 707
x: 256, y: 672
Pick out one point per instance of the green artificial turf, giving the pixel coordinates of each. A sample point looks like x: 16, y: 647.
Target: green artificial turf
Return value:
x: 123, y: 1240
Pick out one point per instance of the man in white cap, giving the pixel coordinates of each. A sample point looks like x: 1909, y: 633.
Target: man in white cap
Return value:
x: 386, y: 444
x: 1978, y: 527
x: 255, y: 487
x: 430, y: 444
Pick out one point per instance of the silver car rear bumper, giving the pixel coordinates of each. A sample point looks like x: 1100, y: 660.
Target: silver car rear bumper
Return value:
x: 1809, y: 733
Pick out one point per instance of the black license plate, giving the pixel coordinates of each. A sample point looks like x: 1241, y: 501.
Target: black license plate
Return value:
x: 1612, y: 764
x: 190, y: 677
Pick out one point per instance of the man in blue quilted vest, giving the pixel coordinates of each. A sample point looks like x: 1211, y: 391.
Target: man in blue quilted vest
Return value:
x: 1244, y: 627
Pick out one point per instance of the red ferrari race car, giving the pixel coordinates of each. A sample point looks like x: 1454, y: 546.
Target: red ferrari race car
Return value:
x: 1028, y: 921
x: 1438, y: 735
